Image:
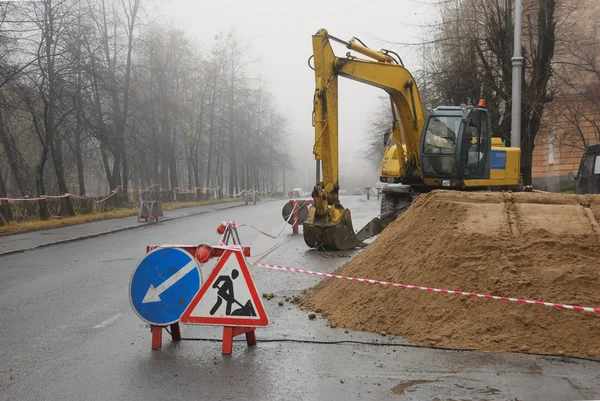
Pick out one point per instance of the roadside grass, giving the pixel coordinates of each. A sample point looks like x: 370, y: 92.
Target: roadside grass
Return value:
x: 35, y: 225
x: 55, y: 222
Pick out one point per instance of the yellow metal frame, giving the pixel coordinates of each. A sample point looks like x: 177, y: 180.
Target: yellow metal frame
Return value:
x: 382, y: 72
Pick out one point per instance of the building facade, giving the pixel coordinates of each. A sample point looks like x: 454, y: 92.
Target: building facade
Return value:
x: 572, y: 120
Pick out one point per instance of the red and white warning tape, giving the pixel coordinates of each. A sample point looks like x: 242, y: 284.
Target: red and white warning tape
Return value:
x: 114, y: 192
x: 282, y: 228
x: 416, y: 287
x: 37, y: 198
x: 535, y: 190
x: 120, y: 188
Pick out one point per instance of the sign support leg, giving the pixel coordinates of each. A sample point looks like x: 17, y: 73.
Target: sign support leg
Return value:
x: 251, y: 337
x: 230, y: 332
x: 156, y: 337
x: 157, y: 332
x: 175, y: 332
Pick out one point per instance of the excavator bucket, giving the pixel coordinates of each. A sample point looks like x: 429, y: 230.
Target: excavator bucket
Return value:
x: 331, y: 235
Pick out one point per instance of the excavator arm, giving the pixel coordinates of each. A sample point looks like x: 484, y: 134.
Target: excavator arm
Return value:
x: 329, y: 224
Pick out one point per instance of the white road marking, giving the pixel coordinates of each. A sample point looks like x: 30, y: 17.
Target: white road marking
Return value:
x: 108, y: 321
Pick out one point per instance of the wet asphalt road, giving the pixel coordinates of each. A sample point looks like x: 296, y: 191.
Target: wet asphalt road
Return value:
x: 67, y: 332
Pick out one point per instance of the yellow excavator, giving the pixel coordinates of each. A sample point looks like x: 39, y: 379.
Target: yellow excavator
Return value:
x: 452, y: 148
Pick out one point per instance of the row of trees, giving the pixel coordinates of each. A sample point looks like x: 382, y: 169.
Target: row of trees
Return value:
x: 97, y: 91
x: 467, y: 56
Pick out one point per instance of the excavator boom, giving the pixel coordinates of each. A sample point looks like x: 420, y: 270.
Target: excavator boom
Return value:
x: 329, y: 224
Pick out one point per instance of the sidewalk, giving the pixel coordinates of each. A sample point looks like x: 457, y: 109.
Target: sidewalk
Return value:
x: 37, y: 239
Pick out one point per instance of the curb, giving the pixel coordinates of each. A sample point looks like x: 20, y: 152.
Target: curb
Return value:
x: 66, y: 241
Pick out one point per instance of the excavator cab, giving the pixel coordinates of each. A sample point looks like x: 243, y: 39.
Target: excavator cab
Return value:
x: 456, y: 145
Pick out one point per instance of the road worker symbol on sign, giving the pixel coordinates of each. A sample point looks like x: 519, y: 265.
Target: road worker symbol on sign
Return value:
x: 228, y: 297
x: 224, y: 284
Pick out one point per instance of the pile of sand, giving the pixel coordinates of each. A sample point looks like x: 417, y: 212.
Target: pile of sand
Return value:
x: 541, y: 247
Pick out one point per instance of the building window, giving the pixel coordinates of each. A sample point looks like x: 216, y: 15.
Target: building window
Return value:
x: 597, y: 166
x: 550, y: 149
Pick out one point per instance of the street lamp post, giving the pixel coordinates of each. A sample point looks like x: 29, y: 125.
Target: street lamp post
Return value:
x: 517, y: 74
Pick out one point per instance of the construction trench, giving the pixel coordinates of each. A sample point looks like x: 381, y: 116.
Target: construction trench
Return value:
x: 541, y: 247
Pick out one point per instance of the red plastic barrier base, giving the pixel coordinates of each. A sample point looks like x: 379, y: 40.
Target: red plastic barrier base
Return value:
x: 296, y: 205
x: 230, y: 332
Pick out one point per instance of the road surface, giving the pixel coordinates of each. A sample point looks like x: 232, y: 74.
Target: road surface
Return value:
x: 68, y: 333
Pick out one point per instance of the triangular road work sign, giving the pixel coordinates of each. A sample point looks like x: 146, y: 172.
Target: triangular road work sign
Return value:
x: 228, y: 297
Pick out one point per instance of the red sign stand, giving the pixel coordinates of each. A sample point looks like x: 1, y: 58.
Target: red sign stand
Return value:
x: 232, y: 326
x: 157, y: 332
x: 230, y: 332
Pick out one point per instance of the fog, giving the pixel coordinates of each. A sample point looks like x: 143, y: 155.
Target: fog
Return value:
x: 278, y: 36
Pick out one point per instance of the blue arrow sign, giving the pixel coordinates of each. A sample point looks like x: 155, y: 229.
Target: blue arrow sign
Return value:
x: 163, y: 285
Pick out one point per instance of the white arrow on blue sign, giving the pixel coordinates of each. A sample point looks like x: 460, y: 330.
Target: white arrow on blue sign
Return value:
x: 163, y: 285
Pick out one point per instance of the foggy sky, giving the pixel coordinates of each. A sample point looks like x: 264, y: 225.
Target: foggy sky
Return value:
x: 278, y: 33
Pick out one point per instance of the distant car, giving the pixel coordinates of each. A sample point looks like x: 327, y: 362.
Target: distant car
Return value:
x: 343, y: 192
x: 357, y: 191
x: 295, y: 193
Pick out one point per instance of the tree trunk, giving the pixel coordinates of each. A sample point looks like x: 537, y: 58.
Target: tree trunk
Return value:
x: 106, y: 163
x: 4, y: 206
x: 116, y: 167
x: 57, y: 161
x: 78, y: 157
x: 526, y: 162
x: 173, y: 162
x: 125, y: 167
x: 78, y: 105
x: 50, y: 125
x: 39, y: 181
x: 15, y: 163
x: 212, y: 131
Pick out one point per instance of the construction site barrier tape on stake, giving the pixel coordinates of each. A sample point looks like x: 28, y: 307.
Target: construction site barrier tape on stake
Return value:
x: 416, y: 287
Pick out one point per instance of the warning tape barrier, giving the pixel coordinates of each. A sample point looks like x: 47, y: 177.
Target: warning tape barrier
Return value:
x: 43, y: 197
x: 530, y: 187
x: 416, y: 287
x: 119, y: 189
x: 267, y: 234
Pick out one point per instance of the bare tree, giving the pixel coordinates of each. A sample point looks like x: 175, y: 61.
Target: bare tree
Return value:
x: 576, y: 108
x: 472, y: 59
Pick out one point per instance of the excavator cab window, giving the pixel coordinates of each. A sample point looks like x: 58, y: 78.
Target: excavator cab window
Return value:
x: 440, y: 146
x: 475, y: 146
x: 386, y: 137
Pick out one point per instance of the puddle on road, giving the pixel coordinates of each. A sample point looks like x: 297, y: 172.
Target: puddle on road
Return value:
x: 404, y: 386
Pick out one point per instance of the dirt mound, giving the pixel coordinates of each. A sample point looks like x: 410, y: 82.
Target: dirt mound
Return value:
x: 541, y: 247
